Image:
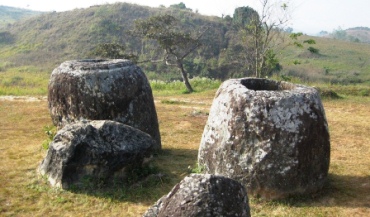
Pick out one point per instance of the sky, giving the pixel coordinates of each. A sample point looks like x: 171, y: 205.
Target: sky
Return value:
x: 308, y: 16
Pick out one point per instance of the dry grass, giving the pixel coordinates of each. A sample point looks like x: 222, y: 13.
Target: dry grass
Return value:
x: 22, y: 193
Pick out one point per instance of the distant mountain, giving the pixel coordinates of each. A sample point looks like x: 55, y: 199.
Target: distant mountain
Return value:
x: 9, y: 15
x: 361, y: 33
x: 355, y: 34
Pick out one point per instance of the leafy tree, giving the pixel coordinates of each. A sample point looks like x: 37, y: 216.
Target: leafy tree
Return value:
x: 177, y: 44
x: 339, y: 34
x: 6, y: 37
x: 288, y: 30
x: 180, y: 6
x: 112, y: 51
x: 342, y: 35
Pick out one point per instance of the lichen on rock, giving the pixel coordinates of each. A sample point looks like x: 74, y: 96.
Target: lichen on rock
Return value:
x: 272, y: 136
x: 115, y: 90
x: 203, y: 195
x: 99, y: 150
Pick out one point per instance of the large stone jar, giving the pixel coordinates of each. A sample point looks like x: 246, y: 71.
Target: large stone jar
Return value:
x: 272, y: 136
x: 115, y: 90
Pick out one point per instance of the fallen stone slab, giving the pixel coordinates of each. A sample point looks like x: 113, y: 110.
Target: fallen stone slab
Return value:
x: 103, y: 151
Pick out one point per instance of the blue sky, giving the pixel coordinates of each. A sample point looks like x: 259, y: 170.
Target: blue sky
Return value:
x: 308, y: 16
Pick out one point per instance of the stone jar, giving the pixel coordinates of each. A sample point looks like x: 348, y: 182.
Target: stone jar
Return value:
x: 115, y: 90
x: 271, y: 136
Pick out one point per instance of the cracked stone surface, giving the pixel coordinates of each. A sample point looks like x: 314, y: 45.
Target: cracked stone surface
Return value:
x: 271, y: 136
x: 95, y: 150
x: 203, y: 195
x: 115, y: 90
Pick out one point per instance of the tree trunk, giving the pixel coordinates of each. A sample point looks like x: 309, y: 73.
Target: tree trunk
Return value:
x: 256, y: 51
x: 185, y: 77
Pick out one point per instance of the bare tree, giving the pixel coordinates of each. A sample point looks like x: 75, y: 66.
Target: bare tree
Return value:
x: 264, y: 33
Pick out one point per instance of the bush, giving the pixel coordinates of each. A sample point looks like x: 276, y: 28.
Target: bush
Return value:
x: 313, y: 50
x: 365, y: 92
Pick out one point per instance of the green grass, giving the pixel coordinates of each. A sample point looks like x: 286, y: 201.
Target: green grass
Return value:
x: 178, y: 87
x: 22, y: 81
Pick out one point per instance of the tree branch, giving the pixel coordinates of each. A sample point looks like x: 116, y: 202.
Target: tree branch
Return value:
x: 198, y: 44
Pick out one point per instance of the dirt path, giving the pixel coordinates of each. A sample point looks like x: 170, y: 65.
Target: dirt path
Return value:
x: 23, y: 98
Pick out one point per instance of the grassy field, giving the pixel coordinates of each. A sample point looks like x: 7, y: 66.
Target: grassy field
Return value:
x: 22, y: 81
x: 182, y: 118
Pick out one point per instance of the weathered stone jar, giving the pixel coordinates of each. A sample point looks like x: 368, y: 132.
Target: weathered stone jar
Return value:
x: 272, y: 136
x: 115, y: 90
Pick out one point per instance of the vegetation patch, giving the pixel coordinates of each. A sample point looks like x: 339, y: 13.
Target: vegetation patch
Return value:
x: 50, y: 132
x: 200, y: 84
x: 335, y: 91
x: 330, y: 94
x: 21, y: 81
x: 172, y: 102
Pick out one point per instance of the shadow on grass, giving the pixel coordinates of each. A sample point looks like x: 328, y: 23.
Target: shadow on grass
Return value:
x: 147, y: 185
x: 173, y: 165
x: 340, y: 190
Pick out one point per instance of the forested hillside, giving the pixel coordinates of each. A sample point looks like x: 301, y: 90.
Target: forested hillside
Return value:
x: 47, y: 40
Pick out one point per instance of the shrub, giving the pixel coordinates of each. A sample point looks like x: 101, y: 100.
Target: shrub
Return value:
x: 313, y: 50
x: 365, y: 92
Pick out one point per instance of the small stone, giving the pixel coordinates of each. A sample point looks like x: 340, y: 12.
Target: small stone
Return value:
x: 203, y: 195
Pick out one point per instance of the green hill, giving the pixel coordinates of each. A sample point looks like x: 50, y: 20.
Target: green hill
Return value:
x: 10, y: 15
x: 49, y: 39
x: 339, y: 62
x: 44, y: 41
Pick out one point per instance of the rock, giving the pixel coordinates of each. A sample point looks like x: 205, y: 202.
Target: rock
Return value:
x: 96, y: 150
x: 203, y: 195
x: 271, y: 136
x: 115, y: 90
